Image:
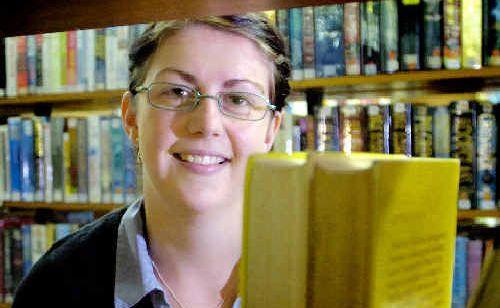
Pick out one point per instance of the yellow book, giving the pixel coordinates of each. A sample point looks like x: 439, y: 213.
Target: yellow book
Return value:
x: 359, y: 230
x: 471, y: 33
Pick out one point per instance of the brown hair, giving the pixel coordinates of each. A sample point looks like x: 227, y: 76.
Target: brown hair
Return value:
x: 254, y: 26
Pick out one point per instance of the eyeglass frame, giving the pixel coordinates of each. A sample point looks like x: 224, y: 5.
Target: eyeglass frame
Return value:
x: 198, y: 96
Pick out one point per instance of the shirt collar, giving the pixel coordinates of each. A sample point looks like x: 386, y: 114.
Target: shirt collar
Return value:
x: 134, y: 275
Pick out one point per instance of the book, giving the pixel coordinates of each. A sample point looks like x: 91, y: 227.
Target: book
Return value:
x: 110, y: 57
x: 71, y: 66
x: 94, y: 159
x: 441, y: 132
x: 15, y: 132
x: 100, y: 59
x: 459, y: 295
x: 323, y: 128
x: 463, y: 146
x: 400, y: 129
x: 48, y: 167
x: 63, y: 62
x: 106, y: 160
x: 22, y: 67
x: 470, y: 38
x: 432, y: 33
x: 117, y: 161
x: 58, y: 144
x: 409, y: 16
x: 389, y: 35
x: 295, y: 19
x: 27, y: 161
x: 4, y: 189
x: 486, y: 294
x: 452, y: 53
x: 422, y: 131
x: 83, y: 170
x: 122, y: 61
x: 352, y: 123
x: 474, y: 261
x: 3, y: 72
x: 39, y: 157
x: 370, y: 37
x: 491, y: 33
x: 39, y: 63
x: 352, y: 39
x: 363, y: 249
x: 308, y: 42
x: 377, y: 127
x: 329, y: 41
x: 282, y: 21
x: 486, y: 157
x: 11, y: 66
x: 31, y: 68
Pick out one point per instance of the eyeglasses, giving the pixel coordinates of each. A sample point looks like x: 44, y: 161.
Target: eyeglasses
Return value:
x: 238, y: 105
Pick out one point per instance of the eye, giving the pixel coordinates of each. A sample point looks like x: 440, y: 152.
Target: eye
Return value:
x: 179, y: 92
x: 239, y: 100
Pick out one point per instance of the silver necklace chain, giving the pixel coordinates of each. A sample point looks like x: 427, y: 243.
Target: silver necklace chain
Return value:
x: 172, y: 294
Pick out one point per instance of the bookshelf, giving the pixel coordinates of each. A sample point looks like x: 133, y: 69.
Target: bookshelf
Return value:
x: 471, y: 214
x: 61, y: 206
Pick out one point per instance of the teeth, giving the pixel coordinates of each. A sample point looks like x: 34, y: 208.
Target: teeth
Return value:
x: 202, y: 159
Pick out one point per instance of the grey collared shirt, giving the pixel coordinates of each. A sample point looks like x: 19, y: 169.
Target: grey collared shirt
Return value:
x: 134, y: 275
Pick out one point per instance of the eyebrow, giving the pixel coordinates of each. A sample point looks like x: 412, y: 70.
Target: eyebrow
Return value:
x: 192, y: 79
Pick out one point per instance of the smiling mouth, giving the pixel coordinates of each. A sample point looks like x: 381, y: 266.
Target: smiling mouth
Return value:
x: 201, y: 159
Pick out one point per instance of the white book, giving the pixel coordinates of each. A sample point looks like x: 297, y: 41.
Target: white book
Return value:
x: 111, y: 58
x: 38, y: 241
x: 94, y: 159
x: 106, y: 157
x: 55, y: 63
x: 31, y: 62
x: 11, y: 65
x: 80, y: 61
x: 49, y: 171
x: 46, y: 62
x: 89, y: 38
x: 122, y: 34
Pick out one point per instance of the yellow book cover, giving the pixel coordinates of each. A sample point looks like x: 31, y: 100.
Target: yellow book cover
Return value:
x: 50, y: 233
x: 380, y: 231
x: 471, y: 33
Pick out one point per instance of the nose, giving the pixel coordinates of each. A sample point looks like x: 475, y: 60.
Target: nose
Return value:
x: 205, y: 119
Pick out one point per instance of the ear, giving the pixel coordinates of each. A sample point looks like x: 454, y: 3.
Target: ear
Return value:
x: 273, y: 129
x: 129, y: 117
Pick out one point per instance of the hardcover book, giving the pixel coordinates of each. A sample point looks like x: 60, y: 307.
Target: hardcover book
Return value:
x: 400, y: 131
x: 432, y: 31
x: 296, y: 51
x: 15, y: 132
x: 352, y: 127
x: 377, y: 126
x: 491, y: 33
x: 409, y: 34
x: 352, y: 39
x: 422, y: 131
x: 471, y: 40
x: 389, y: 35
x: 329, y: 41
x: 308, y: 43
x: 452, y: 52
x: 486, y: 157
x: 27, y: 166
x: 441, y: 132
x: 370, y: 37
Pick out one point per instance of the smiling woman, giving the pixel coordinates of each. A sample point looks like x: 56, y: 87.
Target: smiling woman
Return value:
x: 204, y: 95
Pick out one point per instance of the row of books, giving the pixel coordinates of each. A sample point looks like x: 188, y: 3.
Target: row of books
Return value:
x: 78, y: 60
x: 465, y: 129
x: 469, y: 256
x: 23, y: 242
x: 67, y: 160
x: 385, y: 36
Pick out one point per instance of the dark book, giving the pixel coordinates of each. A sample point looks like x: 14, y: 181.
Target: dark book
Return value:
x: 491, y: 33
x: 432, y: 33
x: 31, y: 63
x: 389, y: 36
x: 3, y: 72
x: 295, y: 19
x: 451, y: 34
x: 16, y: 254
x: 400, y: 130
x: 39, y: 62
x: 422, y: 131
x: 83, y: 186
x: 370, y: 37
x: 352, y: 39
x: 283, y: 25
x: 39, y: 156
x: 377, y: 119
x: 57, y: 153
x: 22, y: 67
x: 329, y: 41
x: 463, y: 146
x: 100, y: 59
x: 486, y: 157
x: 308, y: 44
x: 352, y: 127
x: 409, y: 34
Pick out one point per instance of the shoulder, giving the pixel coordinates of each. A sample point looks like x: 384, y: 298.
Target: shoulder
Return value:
x: 77, y: 271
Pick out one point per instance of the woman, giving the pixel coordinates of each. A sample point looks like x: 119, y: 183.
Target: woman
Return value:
x: 204, y: 95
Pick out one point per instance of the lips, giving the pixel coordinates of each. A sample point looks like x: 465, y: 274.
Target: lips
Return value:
x: 201, y: 158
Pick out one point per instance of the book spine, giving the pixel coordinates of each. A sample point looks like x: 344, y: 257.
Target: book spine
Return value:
x: 283, y: 27
x: 463, y: 147
x: 370, y: 37
x: 80, y: 60
x: 72, y: 194
x: 130, y: 185
x: 111, y: 46
x: 55, y: 63
x: 352, y: 127
x: 31, y: 63
x: 451, y: 34
x: 37, y: 242
x: 63, y: 61
x: 117, y: 163
x: 106, y: 159
x: 352, y: 39
x: 471, y: 26
x: 400, y: 136
x: 491, y: 33
x: 329, y: 41
x: 3, y: 71
x: 389, y: 36
x: 71, y: 61
x: 39, y: 157
x: 26, y: 250
x: 58, y: 150
x: 17, y: 256
x: 459, y: 291
x: 2, y: 261
x: 375, y: 128
x: 100, y: 59
x: 22, y: 67
x: 409, y: 33
x: 47, y: 164
x: 11, y: 66
x: 308, y: 44
x: 8, y: 287
x: 82, y: 138
x: 90, y: 59
x: 3, y: 188
x: 14, y: 124
x: 336, y: 145
x: 7, y: 194
x: 420, y: 130
x: 39, y: 62
x: 432, y: 33
x: 321, y: 113
x: 441, y: 132
x: 27, y: 161
x: 94, y: 159
x: 46, y: 62
x: 474, y: 262
x: 486, y: 153
x: 296, y: 44
x: 122, y: 36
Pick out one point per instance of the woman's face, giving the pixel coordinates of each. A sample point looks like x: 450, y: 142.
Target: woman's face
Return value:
x: 198, y: 158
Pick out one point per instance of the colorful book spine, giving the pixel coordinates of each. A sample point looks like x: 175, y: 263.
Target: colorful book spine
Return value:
x: 296, y: 44
x: 459, y: 291
x: 432, y: 33
x: 130, y: 182
x: 111, y: 46
x: 409, y: 34
x: 22, y: 67
x: 58, y: 150
x: 471, y: 40
x: 54, y: 58
x: 26, y: 250
x: 377, y: 129
x: 401, y: 130
x: 106, y: 160
x: 491, y: 33
x: 3, y: 71
x: 122, y: 35
x: 329, y: 41
x: 47, y: 165
x: 27, y: 161
x: 322, y: 127
x: 39, y: 63
x: 63, y: 62
x: 308, y: 43
x: 71, y: 61
x: 80, y: 60
x: 90, y: 59
x: 422, y: 131
x: 389, y: 49
x: 71, y: 161
x: 11, y: 66
x: 117, y: 169
x: 3, y: 166
x: 14, y: 124
x: 17, y: 254
x: 352, y: 39
x: 441, y: 132
x: 452, y: 53
x: 8, y: 285
x: 352, y: 127
x: 82, y: 142
x: 100, y: 59
x: 94, y: 159
x: 474, y: 262
x: 31, y: 63
x: 463, y: 146
x: 39, y: 157
x: 336, y: 143
x: 46, y: 62
x: 283, y: 25
x: 370, y: 37
x: 486, y: 157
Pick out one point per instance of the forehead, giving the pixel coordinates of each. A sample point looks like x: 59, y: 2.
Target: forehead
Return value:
x: 211, y: 55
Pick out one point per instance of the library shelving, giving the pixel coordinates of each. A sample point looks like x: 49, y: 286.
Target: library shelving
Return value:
x: 61, y: 206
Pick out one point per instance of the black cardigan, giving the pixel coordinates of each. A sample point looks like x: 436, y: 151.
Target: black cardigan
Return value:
x: 78, y: 271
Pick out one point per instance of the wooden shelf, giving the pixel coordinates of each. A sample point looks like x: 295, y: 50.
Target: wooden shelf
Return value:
x: 472, y: 214
x: 103, y: 95
x: 60, y: 206
x: 34, y: 16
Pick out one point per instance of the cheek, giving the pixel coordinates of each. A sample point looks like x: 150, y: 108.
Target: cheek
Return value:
x: 156, y: 134
x: 248, y: 141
